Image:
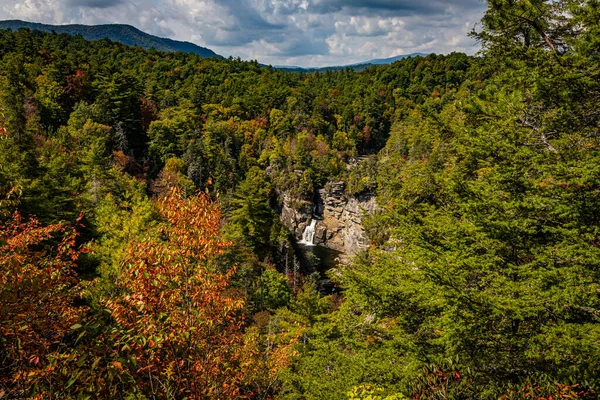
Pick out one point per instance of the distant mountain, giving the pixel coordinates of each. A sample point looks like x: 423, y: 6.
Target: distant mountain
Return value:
x: 356, y: 67
x: 125, y: 34
x: 386, y: 61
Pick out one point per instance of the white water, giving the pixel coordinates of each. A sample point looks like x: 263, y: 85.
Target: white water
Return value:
x: 309, y: 234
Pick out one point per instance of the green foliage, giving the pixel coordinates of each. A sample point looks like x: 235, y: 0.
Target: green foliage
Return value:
x: 175, y: 127
x: 308, y: 303
x: 366, y: 392
x: 487, y: 206
x: 252, y: 211
x: 362, y: 177
x: 120, y: 218
x: 273, y: 291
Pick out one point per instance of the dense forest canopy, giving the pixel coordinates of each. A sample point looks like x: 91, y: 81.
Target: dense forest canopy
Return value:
x: 142, y: 254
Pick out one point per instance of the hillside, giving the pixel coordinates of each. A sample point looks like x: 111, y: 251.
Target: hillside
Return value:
x: 125, y: 34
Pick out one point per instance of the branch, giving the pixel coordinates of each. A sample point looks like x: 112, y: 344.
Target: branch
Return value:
x: 528, y: 124
x: 540, y: 31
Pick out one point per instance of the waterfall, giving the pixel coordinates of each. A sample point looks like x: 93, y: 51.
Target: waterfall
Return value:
x: 309, y: 234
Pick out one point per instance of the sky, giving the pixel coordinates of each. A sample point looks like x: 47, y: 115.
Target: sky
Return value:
x: 307, y: 33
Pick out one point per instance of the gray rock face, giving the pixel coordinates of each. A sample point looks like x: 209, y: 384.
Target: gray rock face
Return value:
x: 340, y: 218
x: 296, y: 214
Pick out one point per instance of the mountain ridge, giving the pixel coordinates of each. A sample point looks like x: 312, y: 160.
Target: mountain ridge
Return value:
x: 359, y: 66
x: 390, y: 60
x: 122, y: 33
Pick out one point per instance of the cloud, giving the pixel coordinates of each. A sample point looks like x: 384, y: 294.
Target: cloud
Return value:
x: 280, y: 32
x: 389, y: 7
x: 94, y: 3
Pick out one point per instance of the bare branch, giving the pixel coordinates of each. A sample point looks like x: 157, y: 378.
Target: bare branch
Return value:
x: 529, y: 124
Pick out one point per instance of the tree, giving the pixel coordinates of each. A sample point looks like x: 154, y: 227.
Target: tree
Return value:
x: 273, y: 291
x: 172, y: 176
x: 49, y: 95
x: 177, y: 322
x: 523, y: 23
x: 252, y: 212
x: 39, y: 291
x: 171, y: 133
x: 484, y: 282
x: 12, y: 97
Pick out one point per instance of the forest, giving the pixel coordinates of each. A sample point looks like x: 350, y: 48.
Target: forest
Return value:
x: 143, y: 256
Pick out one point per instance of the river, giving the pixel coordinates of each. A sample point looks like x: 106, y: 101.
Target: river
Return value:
x: 320, y: 259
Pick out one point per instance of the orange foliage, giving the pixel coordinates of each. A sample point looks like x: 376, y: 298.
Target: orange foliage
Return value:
x: 268, y: 356
x: 176, y: 315
x: 441, y: 383
x: 3, y: 130
x: 175, y: 326
x: 366, y: 134
x: 128, y: 164
x: 149, y: 112
x: 38, y: 288
x: 120, y: 160
x: 260, y: 123
x: 557, y: 391
x: 75, y: 85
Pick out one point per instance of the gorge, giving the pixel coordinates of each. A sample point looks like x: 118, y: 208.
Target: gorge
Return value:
x: 333, y: 219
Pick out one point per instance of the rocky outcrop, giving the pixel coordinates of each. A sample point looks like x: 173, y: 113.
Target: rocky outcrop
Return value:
x: 340, y: 218
x: 342, y: 225
x: 296, y: 214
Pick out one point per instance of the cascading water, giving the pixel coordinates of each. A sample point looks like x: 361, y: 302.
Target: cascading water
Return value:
x: 309, y: 234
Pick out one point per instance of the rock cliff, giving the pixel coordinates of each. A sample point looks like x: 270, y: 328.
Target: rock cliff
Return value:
x: 340, y: 218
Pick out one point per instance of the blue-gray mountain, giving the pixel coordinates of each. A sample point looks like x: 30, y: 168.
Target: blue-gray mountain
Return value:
x: 386, y: 61
x: 356, y: 67
x: 125, y: 34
